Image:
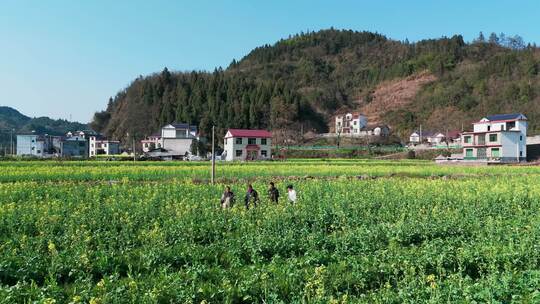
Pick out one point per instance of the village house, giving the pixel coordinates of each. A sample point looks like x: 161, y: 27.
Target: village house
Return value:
x: 497, y: 138
x: 151, y: 142
x: 375, y: 130
x: 350, y: 123
x: 453, y: 136
x: 434, y: 138
x: 173, y: 141
x: 418, y: 137
x: 241, y: 144
x: 80, y: 144
x: 31, y: 145
x: 101, y: 146
x: 74, y: 146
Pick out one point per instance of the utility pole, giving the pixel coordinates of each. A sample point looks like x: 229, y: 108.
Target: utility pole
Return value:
x: 213, y: 156
x: 134, y: 155
x: 11, y: 141
x: 446, y: 138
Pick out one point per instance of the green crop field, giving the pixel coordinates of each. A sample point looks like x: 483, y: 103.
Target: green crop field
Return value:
x: 361, y: 231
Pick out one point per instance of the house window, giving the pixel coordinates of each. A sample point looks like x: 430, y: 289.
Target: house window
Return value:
x: 520, y: 153
x: 520, y: 137
x: 263, y: 141
x: 354, y: 123
x: 252, y: 141
x: 492, y: 137
x: 495, y: 152
x: 225, y: 141
x: 239, y: 141
x: 510, y: 125
x: 238, y: 153
x: 39, y: 152
x: 264, y: 153
x: 489, y: 128
x: 469, y: 153
x: 468, y: 139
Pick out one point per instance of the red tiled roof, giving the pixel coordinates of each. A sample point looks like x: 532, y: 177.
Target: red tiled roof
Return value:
x: 250, y: 133
x: 454, y: 134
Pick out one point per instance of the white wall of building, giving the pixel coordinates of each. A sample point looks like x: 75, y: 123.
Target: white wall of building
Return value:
x: 177, y: 146
x: 487, y: 126
x: 168, y: 132
x: 29, y: 145
x: 414, y: 138
x: 351, y: 123
x: 514, y: 145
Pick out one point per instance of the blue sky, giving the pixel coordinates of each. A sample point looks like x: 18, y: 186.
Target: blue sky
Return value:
x: 65, y: 58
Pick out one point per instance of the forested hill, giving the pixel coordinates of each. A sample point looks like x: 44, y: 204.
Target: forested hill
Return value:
x: 300, y: 82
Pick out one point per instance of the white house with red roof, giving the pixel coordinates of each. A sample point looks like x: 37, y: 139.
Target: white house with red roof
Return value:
x: 350, y: 123
x: 497, y: 138
x: 242, y: 144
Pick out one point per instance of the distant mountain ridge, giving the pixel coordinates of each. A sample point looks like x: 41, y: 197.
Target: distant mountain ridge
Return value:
x: 11, y: 118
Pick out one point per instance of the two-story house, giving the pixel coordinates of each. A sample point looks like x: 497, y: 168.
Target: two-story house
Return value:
x: 101, y: 146
x: 241, y: 144
x: 350, y: 123
x: 497, y: 138
x: 173, y: 140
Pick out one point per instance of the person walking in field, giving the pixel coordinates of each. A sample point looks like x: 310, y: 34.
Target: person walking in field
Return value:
x: 291, y: 194
x: 273, y: 193
x: 227, y: 198
x: 252, y: 197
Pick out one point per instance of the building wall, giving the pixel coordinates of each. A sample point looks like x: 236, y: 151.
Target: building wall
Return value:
x: 175, y: 133
x: 415, y: 138
x: 500, y: 126
x: 114, y: 148
x: 24, y: 144
x: 29, y: 145
x: 179, y: 146
x: 512, y: 146
x: 103, y: 147
x: 168, y: 133
x: 152, y: 142
x: 75, y: 148
x: 231, y: 147
x: 347, y: 121
x: 522, y: 126
x: 92, y: 146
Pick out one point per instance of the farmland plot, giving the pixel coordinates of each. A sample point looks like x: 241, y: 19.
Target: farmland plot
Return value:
x: 154, y: 233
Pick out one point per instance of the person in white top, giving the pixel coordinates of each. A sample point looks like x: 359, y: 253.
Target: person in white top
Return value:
x: 291, y: 193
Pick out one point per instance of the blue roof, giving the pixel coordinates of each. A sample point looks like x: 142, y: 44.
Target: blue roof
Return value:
x: 506, y: 116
